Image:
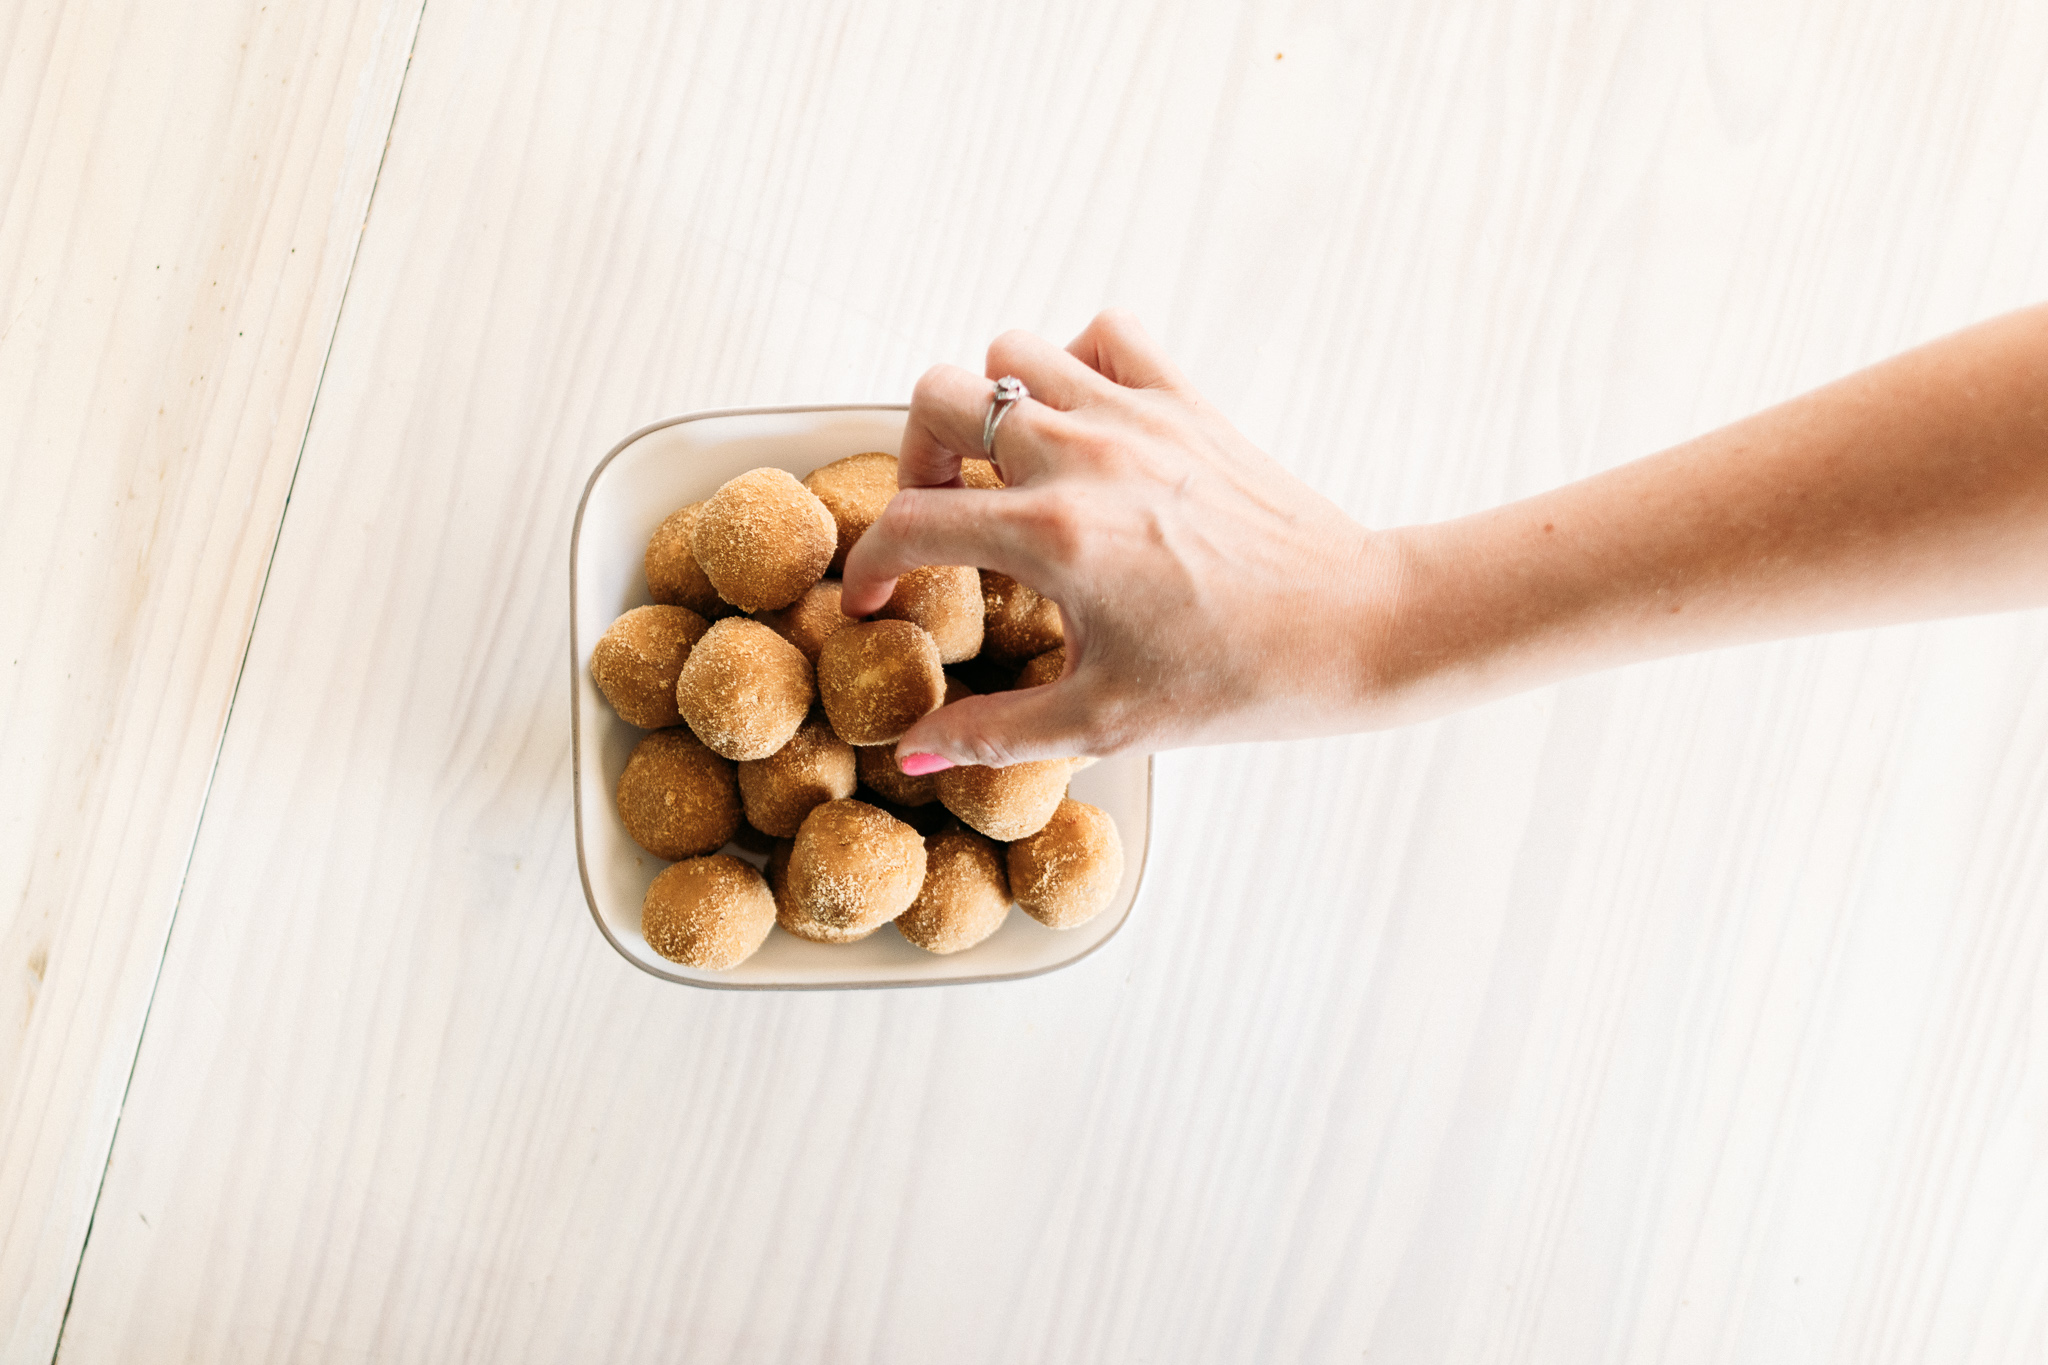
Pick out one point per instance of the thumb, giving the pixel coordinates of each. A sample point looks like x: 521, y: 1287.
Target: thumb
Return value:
x: 998, y: 729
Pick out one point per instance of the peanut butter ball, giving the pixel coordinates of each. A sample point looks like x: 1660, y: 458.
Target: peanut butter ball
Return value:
x: 638, y: 658
x: 788, y: 917
x: 791, y: 920
x: 1006, y: 803
x: 673, y: 575
x: 978, y: 473
x: 709, y: 913
x: 965, y: 896
x: 778, y: 791
x: 854, y: 490
x: 877, y: 766
x: 877, y: 678
x: 744, y: 689
x: 677, y: 798
x: 1017, y: 623
x: 1046, y: 668
x: 810, y: 620
x: 1068, y: 872
x: 762, y: 539
x: 853, y: 867
x: 946, y: 600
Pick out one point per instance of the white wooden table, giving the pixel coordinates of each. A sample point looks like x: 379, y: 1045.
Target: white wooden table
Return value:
x: 1690, y: 1013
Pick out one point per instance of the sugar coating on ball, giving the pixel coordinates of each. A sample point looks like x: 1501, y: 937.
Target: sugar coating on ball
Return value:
x: 946, y: 600
x: 978, y: 473
x: 854, y: 490
x: 878, y: 768
x: 810, y: 620
x: 1068, y: 872
x: 1017, y: 623
x: 744, y: 689
x: 965, y: 896
x: 638, y: 658
x: 762, y: 539
x: 1046, y: 668
x: 877, y: 679
x: 778, y: 791
x: 1006, y: 803
x: 788, y: 917
x: 677, y: 798
x: 709, y: 913
x: 674, y: 576
x: 854, y: 867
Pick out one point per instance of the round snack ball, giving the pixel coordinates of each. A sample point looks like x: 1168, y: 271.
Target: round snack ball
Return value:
x: 778, y: 791
x: 1016, y: 622
x: 811, y: 619
x: 926, y: 820
x: 744, y: 689
x: 946, y: 600
x: 1068, y: 872
x: 980, y: 474
x: 673, y: 574
x: 853, y: 867
x: 638, y: 658
x: 676, y: 797
x: 965, y: 896
x: 877, y: 679
x: 762, y: 539
x: 1006, y: 803
x: 709, y: 913
x: 1046, y: 668
x: 854, y: 490
x: 878, y: 768
x: 800, y: 925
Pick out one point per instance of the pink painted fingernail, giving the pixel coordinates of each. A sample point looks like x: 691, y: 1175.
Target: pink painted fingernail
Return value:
x: 923, y: 765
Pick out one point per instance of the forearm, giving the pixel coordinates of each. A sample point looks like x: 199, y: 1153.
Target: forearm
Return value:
x: 1917, y: 488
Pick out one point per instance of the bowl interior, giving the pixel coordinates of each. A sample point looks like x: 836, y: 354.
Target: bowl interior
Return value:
x: 651, y: 474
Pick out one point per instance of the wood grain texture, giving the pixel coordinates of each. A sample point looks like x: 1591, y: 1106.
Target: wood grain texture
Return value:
x: 184, y: 190
x: 1681, y: 1014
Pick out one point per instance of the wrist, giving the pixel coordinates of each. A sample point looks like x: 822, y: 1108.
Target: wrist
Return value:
x: 1454, y: 624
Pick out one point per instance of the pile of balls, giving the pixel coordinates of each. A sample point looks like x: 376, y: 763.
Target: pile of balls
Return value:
x: 773, y: 722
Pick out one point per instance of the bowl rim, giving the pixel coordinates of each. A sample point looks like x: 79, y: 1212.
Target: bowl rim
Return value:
x: 576, y: 751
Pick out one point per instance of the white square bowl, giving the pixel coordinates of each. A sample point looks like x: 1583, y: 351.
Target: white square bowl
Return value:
x: 648, y: 475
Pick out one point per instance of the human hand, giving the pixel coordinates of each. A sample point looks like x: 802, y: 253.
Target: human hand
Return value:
x: 1207, y: 594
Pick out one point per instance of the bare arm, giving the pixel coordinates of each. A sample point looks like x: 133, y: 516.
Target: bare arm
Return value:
x: 1914, y: 489
x: 1209, y: 596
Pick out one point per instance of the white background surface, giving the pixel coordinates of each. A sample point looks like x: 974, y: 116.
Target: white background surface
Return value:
x: 1689, y: 1013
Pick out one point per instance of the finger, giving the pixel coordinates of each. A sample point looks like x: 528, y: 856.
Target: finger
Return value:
x: 987, y: 528
x: 948, y: 409
x: 1055, y: 377
x: 936, y: 434
x: 999, y: 729
x: 1117, y: 346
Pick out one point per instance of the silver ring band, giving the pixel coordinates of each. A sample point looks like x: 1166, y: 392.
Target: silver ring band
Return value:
x: 1010, y: 391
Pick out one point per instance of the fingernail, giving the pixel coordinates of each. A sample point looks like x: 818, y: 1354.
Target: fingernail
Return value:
x: 923, y: 765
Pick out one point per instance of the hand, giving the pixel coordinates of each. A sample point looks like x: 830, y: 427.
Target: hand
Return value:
x: 1207, y: 594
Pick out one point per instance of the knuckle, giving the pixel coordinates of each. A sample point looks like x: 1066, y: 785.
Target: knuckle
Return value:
x: 930, y: 386
x: 904, y: 517
x: 1118, y: 321
x: 985, y: 750
x: 1008, y: 349
x: 1058, y: 524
